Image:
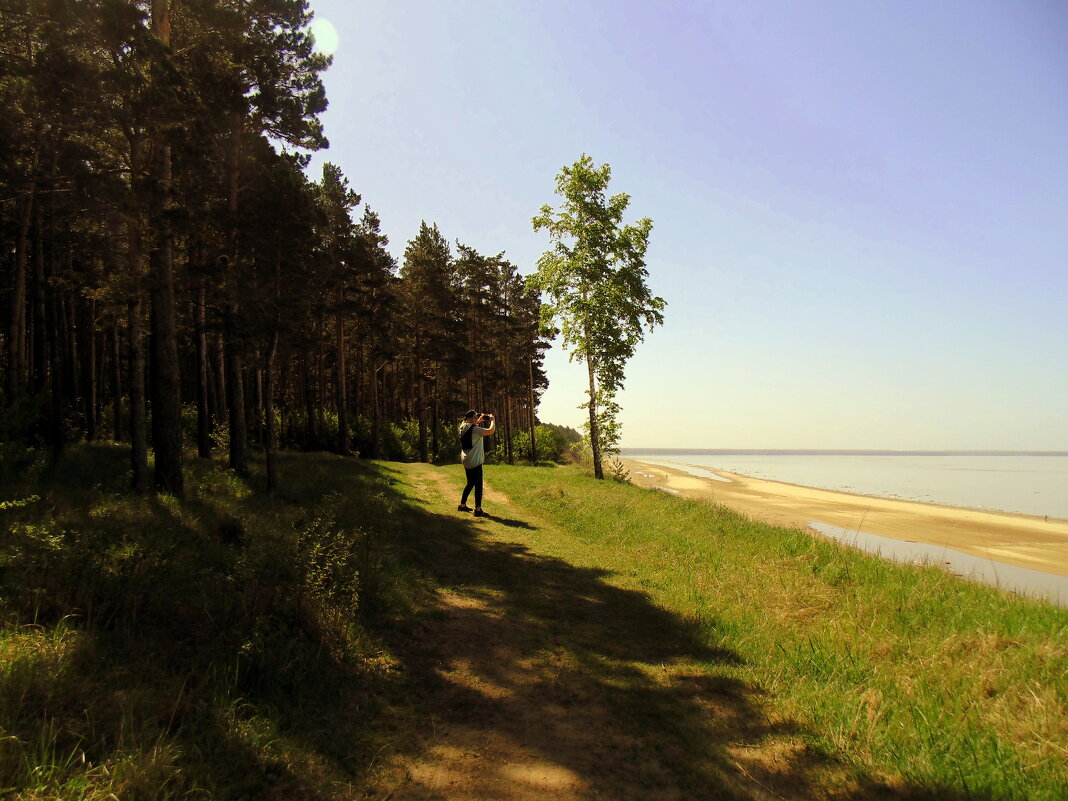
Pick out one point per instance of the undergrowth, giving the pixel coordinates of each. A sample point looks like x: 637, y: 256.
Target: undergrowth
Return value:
x: 224, y: 646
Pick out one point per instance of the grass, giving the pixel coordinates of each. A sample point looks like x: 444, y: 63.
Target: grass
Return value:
x: 221, y: 647
x: 237, y: 645
x: 905, y: 671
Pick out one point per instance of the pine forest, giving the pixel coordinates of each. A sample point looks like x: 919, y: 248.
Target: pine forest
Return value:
x: 172, y: 278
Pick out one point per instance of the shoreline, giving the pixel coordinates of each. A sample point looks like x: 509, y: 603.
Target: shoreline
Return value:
x: 727, y: 477
x: 1027, y: 541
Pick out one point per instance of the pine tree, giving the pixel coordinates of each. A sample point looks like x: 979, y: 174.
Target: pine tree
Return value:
x: 144, y: 189
x: 429, y: 319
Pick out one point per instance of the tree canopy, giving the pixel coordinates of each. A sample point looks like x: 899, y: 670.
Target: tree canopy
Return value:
x: 171, y: 275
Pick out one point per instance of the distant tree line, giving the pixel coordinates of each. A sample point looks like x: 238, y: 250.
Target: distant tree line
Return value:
x: 170, y: 275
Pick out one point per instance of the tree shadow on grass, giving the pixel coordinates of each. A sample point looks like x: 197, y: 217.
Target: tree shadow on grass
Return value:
x: 206, y: 678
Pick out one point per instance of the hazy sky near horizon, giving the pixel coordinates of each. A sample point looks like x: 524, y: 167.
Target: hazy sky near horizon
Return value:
x: 860, y: 209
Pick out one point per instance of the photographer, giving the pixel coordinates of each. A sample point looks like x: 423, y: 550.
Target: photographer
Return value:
x: 473, y: 454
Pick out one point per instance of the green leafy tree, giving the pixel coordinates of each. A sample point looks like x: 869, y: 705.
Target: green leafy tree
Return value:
x: 595, y: 278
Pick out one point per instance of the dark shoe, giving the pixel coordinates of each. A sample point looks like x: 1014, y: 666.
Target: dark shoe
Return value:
x: 480, y: 513
x: 463, y: 507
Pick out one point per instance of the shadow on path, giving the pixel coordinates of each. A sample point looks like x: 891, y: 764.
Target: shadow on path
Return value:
x: 506, y: 521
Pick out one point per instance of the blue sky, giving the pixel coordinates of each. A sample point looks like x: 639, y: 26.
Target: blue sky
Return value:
x: 860, y: 209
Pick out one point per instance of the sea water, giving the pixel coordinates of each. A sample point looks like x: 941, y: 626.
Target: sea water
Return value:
x: 1025, y: 483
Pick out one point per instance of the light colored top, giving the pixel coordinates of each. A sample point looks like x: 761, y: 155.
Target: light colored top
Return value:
x: 477, y: 454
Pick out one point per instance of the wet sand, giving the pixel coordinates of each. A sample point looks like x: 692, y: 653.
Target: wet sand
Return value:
x: 1032, y: 542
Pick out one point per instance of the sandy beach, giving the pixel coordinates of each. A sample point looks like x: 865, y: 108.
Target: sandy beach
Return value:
x: 1032, y: 542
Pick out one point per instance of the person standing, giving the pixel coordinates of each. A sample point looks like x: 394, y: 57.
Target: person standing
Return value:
x: 473, y: 430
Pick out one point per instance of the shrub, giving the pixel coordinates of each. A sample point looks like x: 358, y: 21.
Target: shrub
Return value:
x: 400, y: 442
x: 553, y: 443
x: 24, y: 420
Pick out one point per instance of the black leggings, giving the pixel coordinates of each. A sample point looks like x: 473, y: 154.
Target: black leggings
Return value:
x: 474, y: 481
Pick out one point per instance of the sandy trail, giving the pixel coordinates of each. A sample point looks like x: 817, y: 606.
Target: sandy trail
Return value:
x: 1032, y: 542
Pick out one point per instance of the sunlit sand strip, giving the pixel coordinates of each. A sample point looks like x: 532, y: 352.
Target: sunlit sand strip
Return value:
x: 1031, y: 542
x: 693, y: 470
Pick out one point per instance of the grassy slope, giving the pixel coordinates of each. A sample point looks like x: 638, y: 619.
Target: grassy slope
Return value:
x: 909, y: 671
x: 243, y: 646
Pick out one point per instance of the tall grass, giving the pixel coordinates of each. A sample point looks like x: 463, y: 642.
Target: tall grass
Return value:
x: 220, y: 647
x: 904, y: 670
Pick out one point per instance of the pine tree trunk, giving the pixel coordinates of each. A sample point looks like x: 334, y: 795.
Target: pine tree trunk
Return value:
x: 89, y: 346
x: 419, y: 410
x: 261, y: 413
x: 342, y: 390
x: 234, y: 386
x: 406, y: 394
x: 508, y: 427
x: 166, y: 387
x: 375, y: 413
x: 138, y: 429
x: 320, y: 392
x: 166, y: 380
x: 435, y: 424
x: 214, y: 405
x: 116, y: 384
x: 268, y: 404
x: 236, y: 399
x: 220, y: 412
x: 16, y: 338
x: 480, y: 386
x: 70, y: 316
x: 309, y: 404
x: 61, y: 336
x: 285, y: 409
x: 101, y: 378
x: 40, y: 337
x: 357, y: 390
x: 204, y: 425
x: 55, y: 427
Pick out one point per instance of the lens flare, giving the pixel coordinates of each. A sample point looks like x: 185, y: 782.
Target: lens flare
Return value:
x: 325, y: 35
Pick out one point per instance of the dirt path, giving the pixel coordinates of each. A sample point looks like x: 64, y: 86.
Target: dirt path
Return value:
x: 490, y: 677
x: 543, y: 681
